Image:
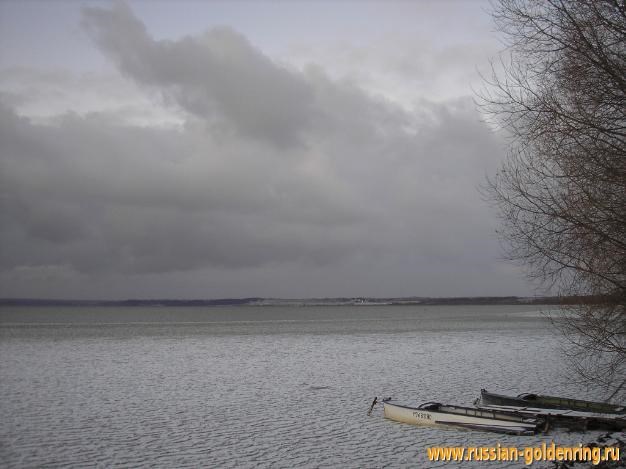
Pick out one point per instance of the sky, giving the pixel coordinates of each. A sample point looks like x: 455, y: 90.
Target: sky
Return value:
x: 188, y: 149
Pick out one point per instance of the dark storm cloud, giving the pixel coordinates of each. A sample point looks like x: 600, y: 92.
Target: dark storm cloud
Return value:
x: 273, y: 167
x: 101, y: 197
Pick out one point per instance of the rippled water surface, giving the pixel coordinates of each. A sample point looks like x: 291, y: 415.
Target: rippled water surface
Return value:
x: 258, y: 386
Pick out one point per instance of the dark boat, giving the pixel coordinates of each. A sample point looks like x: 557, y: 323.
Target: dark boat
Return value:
x: 572, y: 420
x: 549, y: 402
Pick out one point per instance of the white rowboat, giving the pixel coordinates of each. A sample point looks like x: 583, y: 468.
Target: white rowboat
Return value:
x: 433, y: 414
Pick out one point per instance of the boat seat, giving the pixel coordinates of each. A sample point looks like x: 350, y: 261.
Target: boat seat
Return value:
x: 430, y: 406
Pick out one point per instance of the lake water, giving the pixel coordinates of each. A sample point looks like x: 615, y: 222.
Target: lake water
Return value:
x: 259, y: 386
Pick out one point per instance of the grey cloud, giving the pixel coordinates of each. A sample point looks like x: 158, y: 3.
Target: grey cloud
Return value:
x: 217, y: 75
x: 43, y: 94
x: 104, y: 197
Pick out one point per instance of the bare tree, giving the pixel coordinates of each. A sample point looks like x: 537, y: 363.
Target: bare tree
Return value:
x: 561, y: 193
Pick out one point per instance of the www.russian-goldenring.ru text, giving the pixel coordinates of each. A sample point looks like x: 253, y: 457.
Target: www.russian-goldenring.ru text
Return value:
x: 528, y: 454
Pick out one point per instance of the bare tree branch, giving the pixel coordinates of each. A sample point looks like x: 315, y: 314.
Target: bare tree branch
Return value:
x: 561, y: 193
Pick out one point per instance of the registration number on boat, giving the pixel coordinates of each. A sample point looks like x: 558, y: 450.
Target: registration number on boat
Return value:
x: 422, y: 415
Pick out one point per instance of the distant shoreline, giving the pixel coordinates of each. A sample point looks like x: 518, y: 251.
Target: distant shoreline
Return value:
x: 255, y: 301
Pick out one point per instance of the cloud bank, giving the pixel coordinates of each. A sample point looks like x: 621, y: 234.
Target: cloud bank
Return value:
x: 276, y: 180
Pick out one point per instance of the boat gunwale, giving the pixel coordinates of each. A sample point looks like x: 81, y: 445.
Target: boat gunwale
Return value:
x: 513, y: 418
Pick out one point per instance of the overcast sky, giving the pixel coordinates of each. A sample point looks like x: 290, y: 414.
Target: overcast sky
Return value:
x: 228, y: 149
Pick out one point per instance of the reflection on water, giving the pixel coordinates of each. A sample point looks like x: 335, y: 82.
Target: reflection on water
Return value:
x: 264, y: 386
